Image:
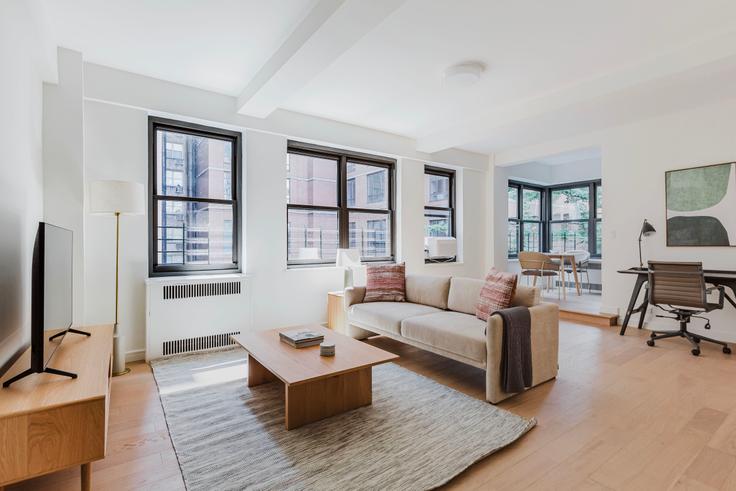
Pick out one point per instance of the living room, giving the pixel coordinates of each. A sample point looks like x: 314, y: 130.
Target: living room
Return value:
x: 226, y: 171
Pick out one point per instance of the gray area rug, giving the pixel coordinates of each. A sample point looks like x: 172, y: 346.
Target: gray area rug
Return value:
x: 418, y: 434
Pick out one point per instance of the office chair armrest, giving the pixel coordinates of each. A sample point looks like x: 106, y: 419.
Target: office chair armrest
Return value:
x: 721, y: 293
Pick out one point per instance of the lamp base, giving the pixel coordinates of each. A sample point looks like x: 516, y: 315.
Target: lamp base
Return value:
x: 118, y: 355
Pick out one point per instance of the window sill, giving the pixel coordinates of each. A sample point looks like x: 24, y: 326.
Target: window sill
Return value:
x: 446, y: 263
x: 312, y: 267
x: 194, y: 277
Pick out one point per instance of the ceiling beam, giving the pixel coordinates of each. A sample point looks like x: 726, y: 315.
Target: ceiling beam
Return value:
x: 330, y: 29
x: 488, y: 121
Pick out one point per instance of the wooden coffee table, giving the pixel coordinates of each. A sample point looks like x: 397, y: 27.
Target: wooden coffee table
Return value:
x: 316, y: 387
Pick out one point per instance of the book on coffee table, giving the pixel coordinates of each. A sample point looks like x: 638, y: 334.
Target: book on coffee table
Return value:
x: 301, y: 338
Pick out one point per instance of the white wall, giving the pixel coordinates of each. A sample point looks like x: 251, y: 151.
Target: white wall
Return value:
x: 115, y: 143
x: 634, y: 160
x: 21, y: 169
x: 63, y: 161
x: 115, y: 147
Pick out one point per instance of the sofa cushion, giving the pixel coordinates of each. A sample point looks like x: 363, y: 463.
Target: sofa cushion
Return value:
x: 385, y: 283
x: 496, y: 294
x: 427, y: 290
x: 457, y: 333
x: 526, y: 296
x: 386, y: 316
x: 464, y: 294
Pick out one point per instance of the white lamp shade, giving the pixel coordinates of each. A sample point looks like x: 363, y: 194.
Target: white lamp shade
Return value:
x: 347, y: 258
x: 124, y: 197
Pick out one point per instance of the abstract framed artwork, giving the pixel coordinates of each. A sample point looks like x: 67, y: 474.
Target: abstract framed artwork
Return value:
x: 701, y: 206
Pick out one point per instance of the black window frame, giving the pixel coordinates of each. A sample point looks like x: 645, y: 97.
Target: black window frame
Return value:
x: 235, y: 138
x: 450, y: 209
x: 521, y: 221
x: 546, y: 213
x: 344, y: 159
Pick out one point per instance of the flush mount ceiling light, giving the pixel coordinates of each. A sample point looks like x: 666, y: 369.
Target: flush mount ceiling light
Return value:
x: 464, y: 74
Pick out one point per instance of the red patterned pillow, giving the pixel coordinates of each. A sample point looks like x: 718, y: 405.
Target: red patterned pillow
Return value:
x: 496, y: 294
x: 385, y: 283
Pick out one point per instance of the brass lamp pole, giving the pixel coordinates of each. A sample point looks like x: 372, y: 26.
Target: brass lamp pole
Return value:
x: 117, y: 198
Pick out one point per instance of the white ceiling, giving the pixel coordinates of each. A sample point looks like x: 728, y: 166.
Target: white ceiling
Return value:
x: 553, y: 68
x: 217, y: 45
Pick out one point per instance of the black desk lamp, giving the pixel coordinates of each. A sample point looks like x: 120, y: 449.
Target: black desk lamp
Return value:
x: 646, y: 231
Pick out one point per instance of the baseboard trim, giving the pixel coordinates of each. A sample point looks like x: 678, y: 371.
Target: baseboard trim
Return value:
x: 135, y: 355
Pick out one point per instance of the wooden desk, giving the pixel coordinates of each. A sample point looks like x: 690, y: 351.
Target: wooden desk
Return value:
x: 49, y: 423
x: 716, y: 277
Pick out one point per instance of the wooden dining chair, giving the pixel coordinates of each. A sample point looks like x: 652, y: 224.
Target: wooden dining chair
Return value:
x: 538, y: 265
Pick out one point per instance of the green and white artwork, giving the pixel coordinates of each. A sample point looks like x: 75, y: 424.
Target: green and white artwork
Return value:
x: 701, y: 206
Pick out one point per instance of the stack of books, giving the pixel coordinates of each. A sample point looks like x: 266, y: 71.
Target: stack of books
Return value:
x: 301, y: 339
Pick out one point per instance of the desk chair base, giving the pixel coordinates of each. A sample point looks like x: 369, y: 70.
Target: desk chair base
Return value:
x: 694, y: 339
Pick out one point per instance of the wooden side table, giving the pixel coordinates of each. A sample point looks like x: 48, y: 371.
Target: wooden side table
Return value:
x: 336, y: 311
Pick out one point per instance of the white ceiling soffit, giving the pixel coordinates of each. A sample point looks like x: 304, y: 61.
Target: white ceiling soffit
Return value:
x: 569, y: 110
x: 330, y: 29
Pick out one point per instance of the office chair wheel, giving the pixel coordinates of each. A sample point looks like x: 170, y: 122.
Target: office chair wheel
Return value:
x: 650, y: 342
x: 727, y: 350
x: 695, y: 352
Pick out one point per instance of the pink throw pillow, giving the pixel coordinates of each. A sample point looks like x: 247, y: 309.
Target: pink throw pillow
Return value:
x: 496, y: 294
x: 385, y: 283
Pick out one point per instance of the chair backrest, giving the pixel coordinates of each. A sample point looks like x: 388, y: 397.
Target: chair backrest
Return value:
x: 536, y: 260
x: 678, y: 284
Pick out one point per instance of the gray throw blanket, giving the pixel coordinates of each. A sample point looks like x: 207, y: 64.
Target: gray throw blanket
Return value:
x: 516, y: 349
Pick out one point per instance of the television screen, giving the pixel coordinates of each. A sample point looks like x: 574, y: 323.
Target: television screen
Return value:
x: 57, y: 285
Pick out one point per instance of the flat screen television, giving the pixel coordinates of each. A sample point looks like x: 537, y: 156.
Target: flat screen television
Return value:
x: 52, y: 286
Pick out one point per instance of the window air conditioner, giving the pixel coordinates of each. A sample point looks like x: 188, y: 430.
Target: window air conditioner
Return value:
x: 441, y: 247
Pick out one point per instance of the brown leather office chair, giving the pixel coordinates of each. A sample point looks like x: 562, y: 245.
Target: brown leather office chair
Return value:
x: 679, y: 289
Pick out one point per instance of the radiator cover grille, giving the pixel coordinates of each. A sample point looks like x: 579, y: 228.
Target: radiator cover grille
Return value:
x: 174, y: 292
x: 198, y: 344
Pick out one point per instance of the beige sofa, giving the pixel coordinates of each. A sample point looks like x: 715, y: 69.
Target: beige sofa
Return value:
x: 439, y: 316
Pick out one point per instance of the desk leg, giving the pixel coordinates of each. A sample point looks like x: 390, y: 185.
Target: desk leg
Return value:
x: 640, y: 279
x: 87, y: 476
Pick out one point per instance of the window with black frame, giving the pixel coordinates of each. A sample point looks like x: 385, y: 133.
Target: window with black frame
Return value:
x: 194, y: 206
x: 337, y: 200
x: 439, y: 202
x: 525, y: 223
x: 575, y: 217
x: 557, y: 218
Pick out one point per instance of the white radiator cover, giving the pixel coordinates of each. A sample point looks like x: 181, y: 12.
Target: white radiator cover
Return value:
x: 192, y: 313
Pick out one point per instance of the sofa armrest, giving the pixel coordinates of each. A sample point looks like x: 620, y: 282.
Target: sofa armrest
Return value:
x: 353, y: 295
x: 545, y: 318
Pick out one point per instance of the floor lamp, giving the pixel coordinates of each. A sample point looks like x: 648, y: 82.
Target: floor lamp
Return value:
x: 117, y: 198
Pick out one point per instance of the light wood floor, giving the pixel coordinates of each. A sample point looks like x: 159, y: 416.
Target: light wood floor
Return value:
x: 621, y: 415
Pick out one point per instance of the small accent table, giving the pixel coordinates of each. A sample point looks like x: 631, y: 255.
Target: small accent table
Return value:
x: 336, y: 311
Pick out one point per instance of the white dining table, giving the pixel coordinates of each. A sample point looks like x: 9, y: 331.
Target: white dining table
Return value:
x: 570, y: 258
